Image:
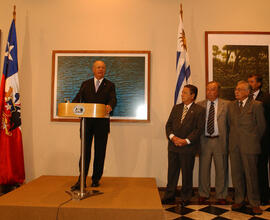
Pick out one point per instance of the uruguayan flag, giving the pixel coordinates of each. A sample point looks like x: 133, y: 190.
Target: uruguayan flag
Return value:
x: 182, y: 63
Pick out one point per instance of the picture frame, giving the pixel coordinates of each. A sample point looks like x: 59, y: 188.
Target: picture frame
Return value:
x: 128, y: 70
x: 231, y: 56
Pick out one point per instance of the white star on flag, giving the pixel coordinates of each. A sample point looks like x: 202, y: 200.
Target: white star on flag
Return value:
x: 10, y: 47
x: 8, y: 107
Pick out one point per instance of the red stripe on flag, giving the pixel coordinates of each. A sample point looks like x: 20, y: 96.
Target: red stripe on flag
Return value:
x: 11, y: 157
x: 2, y: 95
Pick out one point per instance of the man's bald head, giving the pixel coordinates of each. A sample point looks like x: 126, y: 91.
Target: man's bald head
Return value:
x: 99, y: 69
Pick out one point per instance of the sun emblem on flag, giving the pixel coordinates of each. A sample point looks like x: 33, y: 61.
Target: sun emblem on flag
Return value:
x: 11, y: 115
x: 183, y: 40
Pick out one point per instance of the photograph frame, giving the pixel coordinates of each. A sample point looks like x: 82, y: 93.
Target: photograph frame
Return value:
x: 105, y: 54
x: 240, y: 39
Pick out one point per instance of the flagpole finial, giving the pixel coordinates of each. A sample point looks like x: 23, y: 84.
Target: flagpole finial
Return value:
x: 14, y: 13
x: 181, y: 11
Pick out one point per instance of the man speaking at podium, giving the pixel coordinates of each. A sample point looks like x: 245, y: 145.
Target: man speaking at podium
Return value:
x: 96, y: 90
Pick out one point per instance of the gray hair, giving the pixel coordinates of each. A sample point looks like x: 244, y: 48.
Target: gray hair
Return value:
x: 248, y: 87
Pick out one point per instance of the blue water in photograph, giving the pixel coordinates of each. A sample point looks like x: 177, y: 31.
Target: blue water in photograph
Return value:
x: 127, y: 73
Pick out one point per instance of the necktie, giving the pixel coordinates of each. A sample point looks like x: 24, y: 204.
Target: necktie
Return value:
x: 241, y: 106
x: 97, y: 85
x: 184, y: 113
x: 210, y: 121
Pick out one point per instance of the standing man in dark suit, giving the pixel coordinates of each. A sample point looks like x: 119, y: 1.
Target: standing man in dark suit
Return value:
x: 96, y: 90
x: 214, y: 144
x: 183, y: 130
x: 247, y: 125
x: 255, y: 81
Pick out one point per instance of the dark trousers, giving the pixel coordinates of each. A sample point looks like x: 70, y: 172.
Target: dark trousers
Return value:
x: 263, y: 175
x: 100, y: 143
x: 185, y: 162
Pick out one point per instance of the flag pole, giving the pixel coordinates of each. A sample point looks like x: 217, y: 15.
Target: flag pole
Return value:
x: 181, y: 11
x: 14, y: 13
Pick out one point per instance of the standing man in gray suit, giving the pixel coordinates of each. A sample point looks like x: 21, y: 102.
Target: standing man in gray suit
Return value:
x: 183, y: 130
x: 247, y: 125
x: 214, y: 144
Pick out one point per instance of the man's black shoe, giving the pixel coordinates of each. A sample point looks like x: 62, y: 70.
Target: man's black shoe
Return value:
x: 168, y: 201
x: 77, y: 186
x: 95, y: 184
x: 264, y: 202
x: 184, y: 203
x: 237, y: 206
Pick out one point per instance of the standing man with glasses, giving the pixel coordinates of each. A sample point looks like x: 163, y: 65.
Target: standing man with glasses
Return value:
x: 256, y: 82
x: 96, y: 90
x: 247, y: 125
x: 183, y: 130
x: 214, y: 144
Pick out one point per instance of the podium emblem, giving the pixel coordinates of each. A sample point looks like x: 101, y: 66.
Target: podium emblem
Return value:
x: 78, y: 110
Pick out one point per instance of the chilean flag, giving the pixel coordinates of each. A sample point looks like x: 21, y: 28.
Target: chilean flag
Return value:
x: 11, y: 148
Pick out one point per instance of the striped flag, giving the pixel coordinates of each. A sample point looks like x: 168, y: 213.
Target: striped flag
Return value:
x: 11, y: 149
x: 182, y: 62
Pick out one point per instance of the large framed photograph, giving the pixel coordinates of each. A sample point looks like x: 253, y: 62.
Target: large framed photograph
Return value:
x: 233, y: 56
x: 128, y: 70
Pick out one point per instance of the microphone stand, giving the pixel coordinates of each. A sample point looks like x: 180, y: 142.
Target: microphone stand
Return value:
x: 83, y: 193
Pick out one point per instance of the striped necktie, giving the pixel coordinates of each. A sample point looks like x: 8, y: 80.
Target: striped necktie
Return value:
x: 184, y: 113
x: 211, y: 117
x: 241, y: 106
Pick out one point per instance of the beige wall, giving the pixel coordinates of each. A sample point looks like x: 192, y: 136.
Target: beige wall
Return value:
x: 134, y: 149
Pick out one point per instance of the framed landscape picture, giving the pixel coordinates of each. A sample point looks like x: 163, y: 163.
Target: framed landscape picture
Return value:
x: 233, y: 56
x: 128, y: 70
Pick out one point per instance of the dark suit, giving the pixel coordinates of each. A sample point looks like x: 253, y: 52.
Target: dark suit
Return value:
x: 246, y: 129
x: 97, y: 127
x: 183, y: 157
x: 265, y: 145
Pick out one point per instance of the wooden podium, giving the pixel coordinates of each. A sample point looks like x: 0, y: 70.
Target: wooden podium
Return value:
x: 82, y: 110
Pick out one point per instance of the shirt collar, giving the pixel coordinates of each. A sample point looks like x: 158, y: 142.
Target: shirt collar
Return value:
x: 215, y: 101
x: 100, y: 81
x: 244, y: 101
x: 255, y: 94
x: 188, y: 106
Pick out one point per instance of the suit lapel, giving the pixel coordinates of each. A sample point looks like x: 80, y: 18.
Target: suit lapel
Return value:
x: 246, y: 107
x: 180, y: 112
x: 220, y: 107
x: 236, y: 106
x: 260, y: 96
x: 204, y: 104
x: 92, y: 86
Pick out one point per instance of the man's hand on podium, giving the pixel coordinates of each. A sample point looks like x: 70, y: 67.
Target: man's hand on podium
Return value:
x: 108, y: 108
